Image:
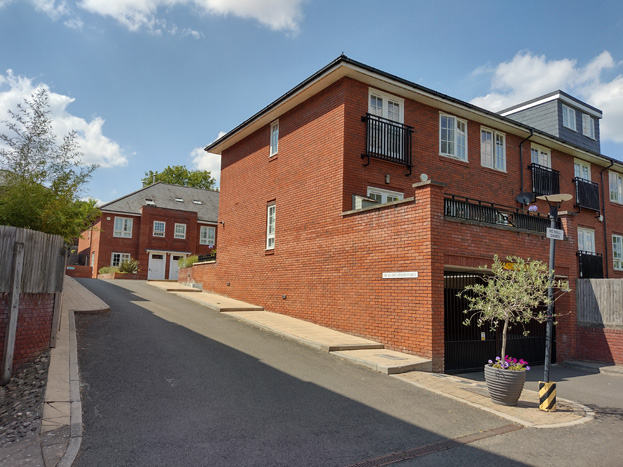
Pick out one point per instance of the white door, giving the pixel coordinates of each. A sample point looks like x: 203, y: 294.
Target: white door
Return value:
x: 174, y: 268
x: 156, y: 267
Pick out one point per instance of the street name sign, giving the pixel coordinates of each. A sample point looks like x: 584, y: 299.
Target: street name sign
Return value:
x: 399, y: 275
x: 556, y: 234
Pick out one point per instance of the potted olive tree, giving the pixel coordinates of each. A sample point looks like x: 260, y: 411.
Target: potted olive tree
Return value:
x: 512, y: 295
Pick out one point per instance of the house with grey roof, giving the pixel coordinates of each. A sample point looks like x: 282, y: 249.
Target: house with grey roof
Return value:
x: 158, y: 225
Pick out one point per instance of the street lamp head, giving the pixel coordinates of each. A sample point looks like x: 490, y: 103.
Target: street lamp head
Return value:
x: 558, y: 198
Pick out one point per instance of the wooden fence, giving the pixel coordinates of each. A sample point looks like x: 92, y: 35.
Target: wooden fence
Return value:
x: 43, y: 264
x: 600, y: 302
x: 32, y: 269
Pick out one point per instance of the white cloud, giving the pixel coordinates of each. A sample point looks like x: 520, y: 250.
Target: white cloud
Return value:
x: 208, y: 161
x: 528, y: 76
x: 97, y: 148
x: 278, y: 15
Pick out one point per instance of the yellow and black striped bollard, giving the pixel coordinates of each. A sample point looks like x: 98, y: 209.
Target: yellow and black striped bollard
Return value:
x: 547, y: 396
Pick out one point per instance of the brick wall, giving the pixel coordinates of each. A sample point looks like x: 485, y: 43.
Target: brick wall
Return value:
x: 34, y: 326
x: 600, y: 345
x: 79, y: 271
x: 328, y: 265
x: 100, y: 238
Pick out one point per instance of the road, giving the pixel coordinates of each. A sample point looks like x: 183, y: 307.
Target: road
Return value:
x: 166, y: 381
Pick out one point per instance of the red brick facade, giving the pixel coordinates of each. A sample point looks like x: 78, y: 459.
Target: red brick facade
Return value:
x: 100, y: 242
x: 328, y: 261
x: 34, y: 326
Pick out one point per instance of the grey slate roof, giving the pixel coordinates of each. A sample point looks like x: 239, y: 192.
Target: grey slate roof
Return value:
x: 164, y: 195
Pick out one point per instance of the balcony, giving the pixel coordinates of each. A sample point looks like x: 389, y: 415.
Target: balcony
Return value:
x: 586, y: 194
x: 591, y: 265
x: 545, y: 181
x: 495, y: 214
x: 387, y: 140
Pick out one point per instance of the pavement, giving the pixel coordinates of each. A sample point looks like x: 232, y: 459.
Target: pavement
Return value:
x: 61, y: 429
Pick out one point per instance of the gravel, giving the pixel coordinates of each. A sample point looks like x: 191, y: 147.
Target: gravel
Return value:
x: 21, y: 402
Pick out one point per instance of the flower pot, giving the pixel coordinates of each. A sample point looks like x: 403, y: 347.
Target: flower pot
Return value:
x: 504, y: 386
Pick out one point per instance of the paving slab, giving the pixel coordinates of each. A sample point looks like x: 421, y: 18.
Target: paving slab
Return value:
x: 305, y: 332
x: 526, y: 413
x: 173, y: 286
x: 595, y: 367
x: 217, y: 302
x: 386, y: 361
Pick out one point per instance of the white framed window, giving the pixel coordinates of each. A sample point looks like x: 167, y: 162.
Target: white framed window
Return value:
x: 617, y: 252
x: 616, y: 187
x: 452, y: 137
x: 582, y: 169
x: 159, y: 227
x: 118, y: 258
x: 274, y: 138
x: 493, y: 149
x: 207, y: 235
x: 123, y: 227
x: 384, y: 196
x: 271, y: 217
x: 540, y: 155
x: 568, y: 117
x: 385, y: 105
x: 588, y: 126
x: 586, y: 239
x: 180, y: 231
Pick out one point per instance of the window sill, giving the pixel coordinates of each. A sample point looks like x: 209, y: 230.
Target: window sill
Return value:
x: 456, y: 160
x: 269, y: 252
x: 274, y: 157
x: 491, y: 170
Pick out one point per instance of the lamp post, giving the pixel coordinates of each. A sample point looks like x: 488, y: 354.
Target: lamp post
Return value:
x: 547, y: 391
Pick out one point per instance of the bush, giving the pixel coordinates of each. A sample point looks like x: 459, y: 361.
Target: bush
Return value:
x: 108, y: 270
x: 129, y: 266
x: 188, y: 261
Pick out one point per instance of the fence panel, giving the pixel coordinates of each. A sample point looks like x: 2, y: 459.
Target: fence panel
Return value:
x: 44, y: 260
x: 600, y: 302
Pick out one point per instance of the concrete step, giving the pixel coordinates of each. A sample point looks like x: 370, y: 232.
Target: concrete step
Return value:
x: 385, y: 361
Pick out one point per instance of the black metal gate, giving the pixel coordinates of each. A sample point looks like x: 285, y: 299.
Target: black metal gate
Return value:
x: 468, y: 348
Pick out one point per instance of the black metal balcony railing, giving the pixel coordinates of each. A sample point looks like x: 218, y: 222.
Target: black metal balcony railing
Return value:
x: 387, y: 140
x: 490, y: 213
x: 591, y: 265
x: 545, y: 181
x: 203, y: 258
x: 586, y: 194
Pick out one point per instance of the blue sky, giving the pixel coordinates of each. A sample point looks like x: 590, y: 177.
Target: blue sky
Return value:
x: 149, y: 83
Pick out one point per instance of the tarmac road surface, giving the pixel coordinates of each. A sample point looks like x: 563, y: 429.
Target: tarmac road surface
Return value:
x: 156, y: 393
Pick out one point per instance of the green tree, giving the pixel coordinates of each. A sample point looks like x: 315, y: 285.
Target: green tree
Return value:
x: 43, y: 178
x: 514, y: 294
x: 180, y: 175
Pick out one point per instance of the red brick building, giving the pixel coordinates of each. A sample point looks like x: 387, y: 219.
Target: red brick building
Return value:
x: 364, y: 202
x: 158, y: 225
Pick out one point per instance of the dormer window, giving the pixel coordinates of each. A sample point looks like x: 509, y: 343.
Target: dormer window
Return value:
x: 179, y: 200
x: 150, y: 202
x: 568, y: 117
x: 588, y: 126
x: 196, y: 201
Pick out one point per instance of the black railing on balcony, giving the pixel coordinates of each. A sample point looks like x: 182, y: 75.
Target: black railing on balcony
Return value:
x: 387, y: 140
x: 586, y: 194
x: 545, y: 181
x: 203, y: 258
x: 591, y: 265
x: 490, y: 213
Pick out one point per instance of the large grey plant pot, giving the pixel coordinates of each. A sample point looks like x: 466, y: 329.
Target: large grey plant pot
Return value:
x: 504, y: 386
